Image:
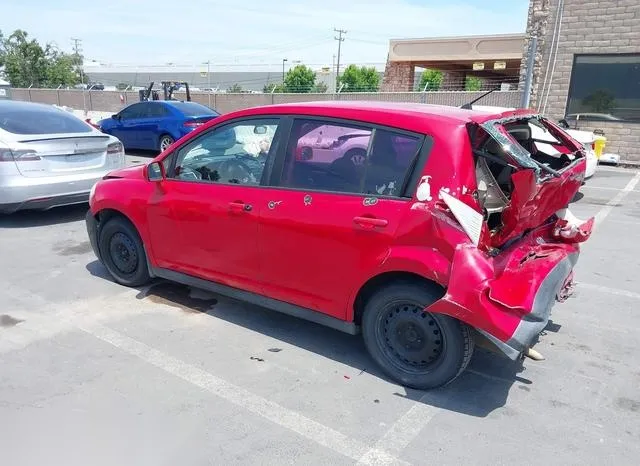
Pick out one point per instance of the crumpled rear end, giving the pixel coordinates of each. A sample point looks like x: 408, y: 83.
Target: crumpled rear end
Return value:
x: 509, y: 297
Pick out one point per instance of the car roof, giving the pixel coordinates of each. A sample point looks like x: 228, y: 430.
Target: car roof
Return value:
x: 174, y: 102
x: 28, y: 106
x: 414, y: 116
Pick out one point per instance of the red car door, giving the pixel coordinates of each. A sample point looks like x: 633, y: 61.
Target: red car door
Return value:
x: 203, y: 219
x: 326, y: 223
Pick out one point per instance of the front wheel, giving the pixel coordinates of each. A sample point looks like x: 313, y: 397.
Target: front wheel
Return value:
x: 415, y: 348
x: 122, y: 252
x: 165, y: 142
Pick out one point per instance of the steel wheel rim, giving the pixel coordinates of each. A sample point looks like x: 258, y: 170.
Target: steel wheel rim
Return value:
x: 358, y: 159
x: 412, y: 340
x: 123, y: 253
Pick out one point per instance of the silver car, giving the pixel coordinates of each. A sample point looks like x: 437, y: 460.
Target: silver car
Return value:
x: 49, y: 157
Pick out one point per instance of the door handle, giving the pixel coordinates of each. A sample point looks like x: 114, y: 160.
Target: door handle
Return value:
x: 370, y: 222
x: 239, y: 206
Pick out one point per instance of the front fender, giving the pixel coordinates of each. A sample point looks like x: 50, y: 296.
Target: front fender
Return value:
x: 108, y: 196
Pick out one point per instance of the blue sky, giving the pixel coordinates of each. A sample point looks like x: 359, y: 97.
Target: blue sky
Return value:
x: 252, y: 33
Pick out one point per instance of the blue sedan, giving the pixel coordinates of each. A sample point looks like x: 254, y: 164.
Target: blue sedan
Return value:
x: 156, y: 124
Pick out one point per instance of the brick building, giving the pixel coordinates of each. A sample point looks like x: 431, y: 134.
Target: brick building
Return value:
x: 591, y: 69
x: 494, y: 60
x: 586, y: 67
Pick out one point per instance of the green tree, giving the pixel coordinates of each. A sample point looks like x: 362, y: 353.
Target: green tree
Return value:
x: 360, y: 79
x: 235, y: 88
x: 600, y: 101
x: 300, y: 79
x: 27, y: 63
x: 2, y: 50
x: 472, y: 83
x: 61, y: 70
x: 320, y: 88
x: 432, y: 79
x: 273, y: 87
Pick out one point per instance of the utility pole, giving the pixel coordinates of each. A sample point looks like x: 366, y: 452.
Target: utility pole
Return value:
x: 340, y: 39
x: 77, y: 50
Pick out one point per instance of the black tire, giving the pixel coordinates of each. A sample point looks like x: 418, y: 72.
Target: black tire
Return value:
x: 122, y: 252
x: 164, y: 142
x: 417, y: 349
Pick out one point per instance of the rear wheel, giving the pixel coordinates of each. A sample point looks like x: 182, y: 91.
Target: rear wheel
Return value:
x: 415, y: 348
x: 165, y: 142
x: 122, y: 252
x: 357, y: 156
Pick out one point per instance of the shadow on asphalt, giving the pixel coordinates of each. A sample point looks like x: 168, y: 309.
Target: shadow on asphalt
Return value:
x: 148, y: 154
x: 39, y: 218
x: 480, y: 390
x: 579, y: 195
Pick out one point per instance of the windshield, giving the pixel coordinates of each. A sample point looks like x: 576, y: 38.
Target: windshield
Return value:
x: 193, y: 109
x: 40, y: 120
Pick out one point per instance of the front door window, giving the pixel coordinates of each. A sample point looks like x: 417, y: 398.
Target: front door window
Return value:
x: 233, y: 154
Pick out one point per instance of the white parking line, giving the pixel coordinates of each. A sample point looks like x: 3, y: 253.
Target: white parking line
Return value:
x: 403, y: 431
x: 609, y: 290
x: 623, y: 222
x: 606, y: 210
x: 59, y: 317
x: 279, y: 415
x: 605, y: 188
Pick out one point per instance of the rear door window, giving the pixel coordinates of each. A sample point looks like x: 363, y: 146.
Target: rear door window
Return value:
x: 191, y: 109
x: 348, y: 157
x: 157, y: 110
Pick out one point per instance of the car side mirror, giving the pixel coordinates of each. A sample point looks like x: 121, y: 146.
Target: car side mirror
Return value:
x: 115, y: 116
x: 155, y: 171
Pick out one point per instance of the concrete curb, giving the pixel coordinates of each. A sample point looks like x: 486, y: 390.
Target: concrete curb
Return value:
x: 628, y: 164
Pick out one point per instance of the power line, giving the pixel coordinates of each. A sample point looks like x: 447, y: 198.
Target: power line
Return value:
x: 340, y: 39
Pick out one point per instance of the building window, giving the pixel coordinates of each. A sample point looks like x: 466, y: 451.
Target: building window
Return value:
x: 605, y: 88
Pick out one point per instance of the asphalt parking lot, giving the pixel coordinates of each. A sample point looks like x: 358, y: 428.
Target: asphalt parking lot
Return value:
x: 92, y: 373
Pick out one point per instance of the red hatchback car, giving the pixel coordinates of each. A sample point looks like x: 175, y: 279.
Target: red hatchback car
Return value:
x: 453, y: 228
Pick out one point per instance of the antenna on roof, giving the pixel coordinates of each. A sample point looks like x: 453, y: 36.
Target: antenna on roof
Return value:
x: 469, y: 106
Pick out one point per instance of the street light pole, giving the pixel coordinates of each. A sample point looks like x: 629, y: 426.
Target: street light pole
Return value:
x: 340, y: 40
x: 209, y: 75
x: 208, y: 63
x: 283, y: 62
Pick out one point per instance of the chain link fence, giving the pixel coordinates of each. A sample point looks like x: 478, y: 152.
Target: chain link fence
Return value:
x: 113, y: 101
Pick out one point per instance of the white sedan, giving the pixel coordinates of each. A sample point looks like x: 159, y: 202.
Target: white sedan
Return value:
x: 49, y: 157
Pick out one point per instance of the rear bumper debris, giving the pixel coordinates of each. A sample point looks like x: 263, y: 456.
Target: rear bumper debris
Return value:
x: 508, y: 298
